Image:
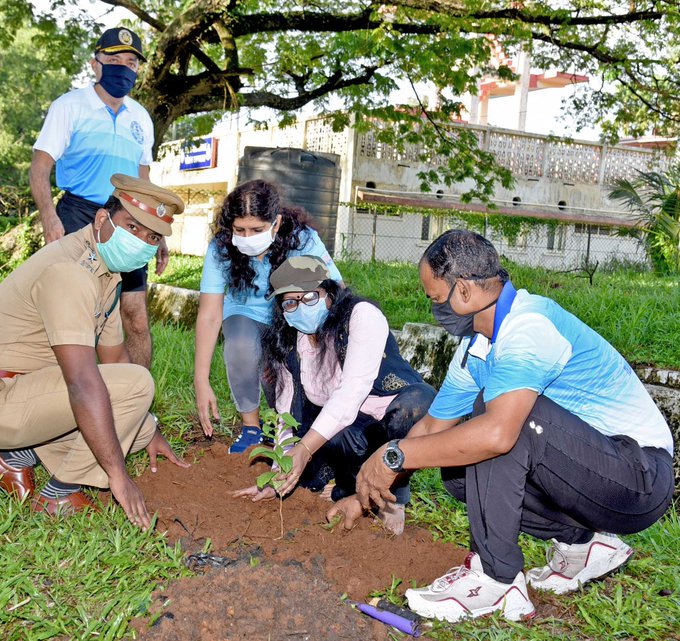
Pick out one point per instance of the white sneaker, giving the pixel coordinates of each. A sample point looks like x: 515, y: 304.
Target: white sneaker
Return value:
x: 571, y: 566
x: 466, y: 592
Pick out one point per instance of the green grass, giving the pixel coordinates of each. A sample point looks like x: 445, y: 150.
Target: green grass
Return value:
x: 637, y: 312
x: 79, y: 577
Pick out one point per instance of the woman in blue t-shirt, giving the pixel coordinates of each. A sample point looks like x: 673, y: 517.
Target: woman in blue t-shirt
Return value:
x: 252, y: 235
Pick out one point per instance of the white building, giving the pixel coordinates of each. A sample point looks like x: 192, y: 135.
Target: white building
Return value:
x: 556, y: 179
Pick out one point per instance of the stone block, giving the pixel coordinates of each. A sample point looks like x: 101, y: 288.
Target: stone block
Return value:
x: 667, y: 399
x: 429, y: 349
x: 173, y: 304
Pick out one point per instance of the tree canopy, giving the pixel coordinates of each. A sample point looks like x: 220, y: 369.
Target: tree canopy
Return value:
x: 30, y: 81
x: 212, y: 56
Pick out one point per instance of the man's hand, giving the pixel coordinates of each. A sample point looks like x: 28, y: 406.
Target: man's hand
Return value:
x: 131, y: 500
x: 255, y: 494
x: 348, y: 509
x: 159, y: 446
x: 39, y: 179
x: 162, y: 257
x: 53, y: 229
x: 374, y: 481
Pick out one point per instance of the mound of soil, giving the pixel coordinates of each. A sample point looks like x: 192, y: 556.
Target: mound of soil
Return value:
x: 266, y: 602
x: 266, y: 586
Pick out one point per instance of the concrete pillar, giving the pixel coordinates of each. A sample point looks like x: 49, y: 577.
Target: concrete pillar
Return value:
x: 522, y: 89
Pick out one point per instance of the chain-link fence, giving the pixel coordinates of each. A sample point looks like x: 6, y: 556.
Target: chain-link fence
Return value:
x: 555, y: 245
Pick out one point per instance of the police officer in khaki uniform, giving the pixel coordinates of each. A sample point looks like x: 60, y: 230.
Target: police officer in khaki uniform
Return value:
x: 69, y: 396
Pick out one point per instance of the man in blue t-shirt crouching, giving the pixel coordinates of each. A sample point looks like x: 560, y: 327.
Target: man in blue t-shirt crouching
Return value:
x: 563, y: 443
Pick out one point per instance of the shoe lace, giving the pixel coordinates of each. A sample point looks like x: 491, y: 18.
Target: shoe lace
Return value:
x: 555, y: 558
x: 453, y: 574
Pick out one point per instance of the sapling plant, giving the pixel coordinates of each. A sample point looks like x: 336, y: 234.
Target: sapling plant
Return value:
x: 280, y: 429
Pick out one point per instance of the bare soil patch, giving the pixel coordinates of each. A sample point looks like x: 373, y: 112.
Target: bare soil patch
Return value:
x: 255, y: 584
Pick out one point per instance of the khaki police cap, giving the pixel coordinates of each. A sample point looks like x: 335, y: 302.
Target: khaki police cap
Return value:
x: 120, y: 40
x: 298, y: 274
x: 151, y: 205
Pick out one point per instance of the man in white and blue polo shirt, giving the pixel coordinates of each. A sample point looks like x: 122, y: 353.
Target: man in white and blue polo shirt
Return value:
x: 563, y: 443
x: 91, y: 134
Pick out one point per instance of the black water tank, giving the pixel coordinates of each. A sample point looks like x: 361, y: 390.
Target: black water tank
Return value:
x: 308, y: 179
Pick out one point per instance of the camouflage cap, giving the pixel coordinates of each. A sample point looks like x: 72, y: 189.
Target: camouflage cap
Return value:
x: 298, y: 274
x: 151, y: 205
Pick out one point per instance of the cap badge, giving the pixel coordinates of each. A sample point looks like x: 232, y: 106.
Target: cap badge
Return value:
x: 160, y: 210
x: 125, y: 37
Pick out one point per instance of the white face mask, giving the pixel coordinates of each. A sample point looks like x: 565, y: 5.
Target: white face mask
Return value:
x: 256, y: 244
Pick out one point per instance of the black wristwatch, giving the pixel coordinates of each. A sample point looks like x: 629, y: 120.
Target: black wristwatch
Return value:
x: 394, y: 457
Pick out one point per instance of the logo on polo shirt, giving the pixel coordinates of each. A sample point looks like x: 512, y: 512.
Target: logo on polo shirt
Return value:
x: 137, y: 132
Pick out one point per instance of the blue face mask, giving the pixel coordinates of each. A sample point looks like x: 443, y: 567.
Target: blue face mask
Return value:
x: 117, y: 80
x: 124, y: 252
x: 308, y: 319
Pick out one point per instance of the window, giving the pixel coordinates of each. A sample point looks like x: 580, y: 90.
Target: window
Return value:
x: 595, y: 230
x: 425, y: 228
x: 556, y: 238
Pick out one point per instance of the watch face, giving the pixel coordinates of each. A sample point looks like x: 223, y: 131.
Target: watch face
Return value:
x: 393, y: 457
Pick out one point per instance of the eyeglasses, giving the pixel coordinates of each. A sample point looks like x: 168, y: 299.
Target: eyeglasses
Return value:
x: 291, y: 304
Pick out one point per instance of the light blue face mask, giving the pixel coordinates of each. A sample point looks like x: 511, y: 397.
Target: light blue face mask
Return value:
x: 308, y: 319
x: 124, y: 252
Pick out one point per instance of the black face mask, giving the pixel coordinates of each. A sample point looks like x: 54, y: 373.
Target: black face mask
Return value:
x: 456, y: 324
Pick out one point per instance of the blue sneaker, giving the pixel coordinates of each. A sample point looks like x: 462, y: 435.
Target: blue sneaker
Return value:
x: 248, y: 437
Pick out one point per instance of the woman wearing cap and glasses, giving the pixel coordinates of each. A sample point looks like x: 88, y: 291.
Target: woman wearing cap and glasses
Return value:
x: 336, y: 368
x: 253, y: 234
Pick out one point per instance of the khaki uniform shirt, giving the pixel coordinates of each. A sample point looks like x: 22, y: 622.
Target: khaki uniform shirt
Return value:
x: 60, y: 296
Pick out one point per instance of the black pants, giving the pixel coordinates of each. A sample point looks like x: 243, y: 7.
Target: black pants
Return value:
x: 75, y: 213
x: 563, y: 479
x: 347, y: 450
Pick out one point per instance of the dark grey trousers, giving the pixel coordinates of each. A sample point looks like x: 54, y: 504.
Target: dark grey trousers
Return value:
x: 242, y: 356
x: 563, y: 479
x: 347, y: 450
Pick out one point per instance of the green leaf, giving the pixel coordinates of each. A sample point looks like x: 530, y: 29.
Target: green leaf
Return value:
x: 265, y: 453
x: 265, y: 479
x: 289, y: 420
x: 286, y: 463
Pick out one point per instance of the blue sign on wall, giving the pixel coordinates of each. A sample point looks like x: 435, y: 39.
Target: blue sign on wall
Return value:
x: 200, y: 155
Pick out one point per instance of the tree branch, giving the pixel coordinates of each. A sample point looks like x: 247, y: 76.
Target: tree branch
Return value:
x: 136, y: 10
x: 518, y: 14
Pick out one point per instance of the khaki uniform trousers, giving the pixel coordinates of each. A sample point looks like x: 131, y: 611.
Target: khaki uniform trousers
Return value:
x: 35, y: 411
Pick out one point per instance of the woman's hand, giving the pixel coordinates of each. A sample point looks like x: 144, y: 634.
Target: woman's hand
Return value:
x: 255, y: 494
x: 206, y: 404
x: 300, y: 455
